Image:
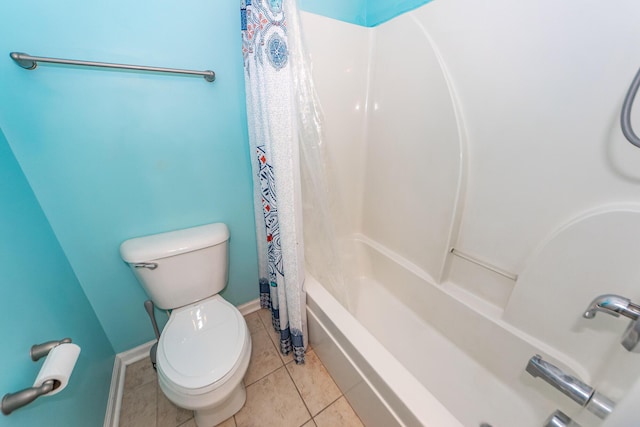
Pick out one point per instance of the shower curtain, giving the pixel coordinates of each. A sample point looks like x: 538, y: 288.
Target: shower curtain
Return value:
x: 273, y: 137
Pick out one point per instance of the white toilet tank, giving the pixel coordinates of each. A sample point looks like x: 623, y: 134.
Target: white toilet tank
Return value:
x: 180, y: 267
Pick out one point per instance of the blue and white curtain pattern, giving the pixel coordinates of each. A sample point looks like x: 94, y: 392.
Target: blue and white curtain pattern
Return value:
x: 273, y: 139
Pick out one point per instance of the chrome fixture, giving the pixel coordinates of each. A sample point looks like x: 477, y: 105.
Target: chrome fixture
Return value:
x: 600, y: 405
x: 581, y: 393
x: 483, y: 264
x: 38, y: 351
x: 572, y: 387
x: 616, y: 305
x: 12, y: 401
x: 560, y: 419
x: 625, y: 114
x: 153, y: 353
x: 149, y: 265
x: 29, y: 62
x: 631, y: 337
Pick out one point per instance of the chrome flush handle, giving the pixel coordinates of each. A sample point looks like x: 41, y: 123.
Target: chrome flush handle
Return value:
x: 149, y: 265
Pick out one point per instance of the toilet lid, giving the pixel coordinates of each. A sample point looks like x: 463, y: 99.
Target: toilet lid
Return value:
x: 201, y: 343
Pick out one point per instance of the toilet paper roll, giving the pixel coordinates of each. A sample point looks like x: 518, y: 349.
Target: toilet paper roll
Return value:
x: 58, y: 367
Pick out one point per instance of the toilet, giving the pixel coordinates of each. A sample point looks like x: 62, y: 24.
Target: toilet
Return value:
x: 204, y: 349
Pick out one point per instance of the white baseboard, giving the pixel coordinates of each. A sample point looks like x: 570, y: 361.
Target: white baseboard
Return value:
x: 249, y: 307
x: 112, y: 417
x: 122, y: 360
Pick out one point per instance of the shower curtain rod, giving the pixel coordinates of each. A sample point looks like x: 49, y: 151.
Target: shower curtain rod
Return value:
x: 31, y: 62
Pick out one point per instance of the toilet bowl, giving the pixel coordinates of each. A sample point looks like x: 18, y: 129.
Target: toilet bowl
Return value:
x: 204, y: 349
x: 203, y: 354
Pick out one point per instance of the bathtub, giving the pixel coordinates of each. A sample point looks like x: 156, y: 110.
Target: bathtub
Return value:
x: 425, y: 354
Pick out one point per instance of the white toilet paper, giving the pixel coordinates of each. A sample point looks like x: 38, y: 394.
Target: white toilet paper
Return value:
x: 58, y: 367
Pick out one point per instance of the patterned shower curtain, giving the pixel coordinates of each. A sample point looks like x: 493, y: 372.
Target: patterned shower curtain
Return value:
x: 273, y: 137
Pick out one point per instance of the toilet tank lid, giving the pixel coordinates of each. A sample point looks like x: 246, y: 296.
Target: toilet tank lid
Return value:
x: 163, y: 245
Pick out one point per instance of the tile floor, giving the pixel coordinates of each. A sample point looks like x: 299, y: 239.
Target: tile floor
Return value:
x: 279, y: 392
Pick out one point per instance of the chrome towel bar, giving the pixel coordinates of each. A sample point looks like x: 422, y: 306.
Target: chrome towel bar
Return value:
x: 29, y: 62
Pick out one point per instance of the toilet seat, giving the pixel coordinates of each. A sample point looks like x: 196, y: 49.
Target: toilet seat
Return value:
x: 201, y: 345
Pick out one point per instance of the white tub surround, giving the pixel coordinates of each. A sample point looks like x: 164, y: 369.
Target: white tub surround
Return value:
x: 489, y: 196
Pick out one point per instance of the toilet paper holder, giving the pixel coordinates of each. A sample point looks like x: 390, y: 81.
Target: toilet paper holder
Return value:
x: 38, y: 351
x: 13, y: 401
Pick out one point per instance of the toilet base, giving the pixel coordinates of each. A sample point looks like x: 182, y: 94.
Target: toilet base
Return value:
x: 210, y: 417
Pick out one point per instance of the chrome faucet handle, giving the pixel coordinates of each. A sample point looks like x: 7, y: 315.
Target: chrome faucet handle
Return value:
x: 614, y: 305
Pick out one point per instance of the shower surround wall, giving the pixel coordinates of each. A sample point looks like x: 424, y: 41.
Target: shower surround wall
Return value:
x: 492, y: 128
x: 112, y: 155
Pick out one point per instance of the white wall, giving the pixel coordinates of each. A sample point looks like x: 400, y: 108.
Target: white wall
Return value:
x: 341, y: 80
x: 395, y: 145
x: 540, y: 85
x: 553, y: 186
x: 526, y: 134
x: 413, y: 149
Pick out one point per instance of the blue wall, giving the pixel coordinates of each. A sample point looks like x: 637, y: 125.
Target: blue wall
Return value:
x: 112, y: 155
x: 353, y: 11
x: 41, y: 299
x: 379, y: 11
x: 367, y: 13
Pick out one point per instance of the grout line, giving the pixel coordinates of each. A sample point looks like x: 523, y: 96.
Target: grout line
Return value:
x: 354, y: 411
x: 326, y: 407
x: 269, y: 373
x: 305, y: 402
x: 270, y: 332
x: 273, y: 337
x: 299, y: 394
x: 264, y: 376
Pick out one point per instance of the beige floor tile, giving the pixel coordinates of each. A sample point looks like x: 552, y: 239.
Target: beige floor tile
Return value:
x: 316, y: 387
x: 310, y: 424
x: 228, y: 423
x: 265, y: 316
x: 138, y: 373
x: 340, y: 414
x: 264, y: 358
x: 139, y: 406
x: 253, y: 322
x: 273, y: 402
x: 169, y: 415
